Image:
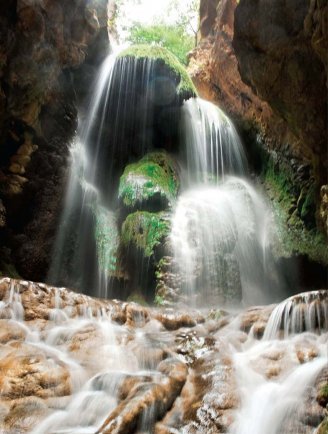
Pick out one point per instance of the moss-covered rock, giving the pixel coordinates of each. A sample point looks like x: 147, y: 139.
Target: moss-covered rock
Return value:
x: 185, y: 87
x: 145, y: 231
x: 154, y: 176
x: 294, y: 207
x: 323, y: 427
x: 322, y: 396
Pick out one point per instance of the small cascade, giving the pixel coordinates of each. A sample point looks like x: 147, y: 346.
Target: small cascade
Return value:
x: 74, y: 253
x: 270, y: 401
x: 213, y: 146
x: 12, y: 307
x: 306, y: 312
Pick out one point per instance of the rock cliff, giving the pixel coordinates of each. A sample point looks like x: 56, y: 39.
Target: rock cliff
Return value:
x: 49, y: 53
x: 263, y: 62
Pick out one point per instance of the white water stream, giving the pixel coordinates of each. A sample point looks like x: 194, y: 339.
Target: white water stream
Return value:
x: 272, y: 376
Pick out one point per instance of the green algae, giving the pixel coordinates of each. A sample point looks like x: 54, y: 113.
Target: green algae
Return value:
x: 156, y: 52
x: 155, y: 174
x: 145, y: 231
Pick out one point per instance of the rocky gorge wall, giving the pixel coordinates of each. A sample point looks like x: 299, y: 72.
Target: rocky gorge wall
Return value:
x: 264, y: 63
x: 50, y: 51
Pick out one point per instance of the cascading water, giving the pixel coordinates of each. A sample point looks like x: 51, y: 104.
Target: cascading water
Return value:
x: 219, y: 234
x: 272, y: 398
x: 304, y: 312
x: 131, y: 94
x: 220, y: 228
x: 212, y: 148
x: 74, y: 260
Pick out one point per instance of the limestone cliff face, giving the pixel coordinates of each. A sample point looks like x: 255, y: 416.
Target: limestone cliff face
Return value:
x: 264, y: 63
x: 44, y: 46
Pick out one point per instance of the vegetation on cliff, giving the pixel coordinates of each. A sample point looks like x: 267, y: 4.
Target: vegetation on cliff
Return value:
x: 153, y: 175
x: 161, y: 54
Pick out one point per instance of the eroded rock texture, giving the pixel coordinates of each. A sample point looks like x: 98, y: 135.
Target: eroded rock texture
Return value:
x: 69, y: 362
x: 264, y: 63
x: 50, y: 52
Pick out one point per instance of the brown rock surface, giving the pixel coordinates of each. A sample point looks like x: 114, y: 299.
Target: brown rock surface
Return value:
x: 264, y: 63
x: 44, y: 45
x: 133, y: 367
x: 279, y: 60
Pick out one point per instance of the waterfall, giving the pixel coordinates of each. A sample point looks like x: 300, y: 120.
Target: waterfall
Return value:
x: 221, y: 226
x: 212, y: 145
x: 73, y: 261
x: 131, y: 94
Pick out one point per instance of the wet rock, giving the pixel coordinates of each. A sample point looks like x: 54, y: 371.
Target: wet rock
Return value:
x: 174, y: 320
x: 324, y: 207
x: 26, y: 371
x: 11, y: 331
x: 42, y: 43
x: 256, y: 319
x: 161, y: 369
x: 24, y: 414
x: 155, y: 396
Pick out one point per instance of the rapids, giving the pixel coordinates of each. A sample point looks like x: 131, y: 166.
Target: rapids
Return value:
x: 73, y: 364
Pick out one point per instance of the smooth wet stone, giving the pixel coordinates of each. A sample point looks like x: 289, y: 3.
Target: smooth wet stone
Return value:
x: 24, y: 414
x: 157, y: 397
x: 256, y: 318
x: 28, y: 371
x: 11, y: 331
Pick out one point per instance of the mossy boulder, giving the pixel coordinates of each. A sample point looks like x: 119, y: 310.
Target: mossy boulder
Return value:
x: 185, y: 86
x: 294, y: 209
x: 322, y: 396
x: 145, y: 231
x: 151, y: 178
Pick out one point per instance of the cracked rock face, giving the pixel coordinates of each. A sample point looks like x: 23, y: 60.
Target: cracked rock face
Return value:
x: 279, y: 54
x: 47, y: 49
x: 263, y: 63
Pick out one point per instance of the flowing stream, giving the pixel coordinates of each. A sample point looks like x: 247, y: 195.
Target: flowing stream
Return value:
x: 263, y: 383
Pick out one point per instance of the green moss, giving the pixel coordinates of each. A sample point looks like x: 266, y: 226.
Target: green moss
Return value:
x: 154, y: 174
x: 186, y: 86
x: 107, y: 240
x: 9, y: 270
x: 308, y: 206
x: 323, y: 427
x: 294, y: 237
x: 138, y: 298
x: 159, y: 301
x: 145, y: 231
x: 323, y: 394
